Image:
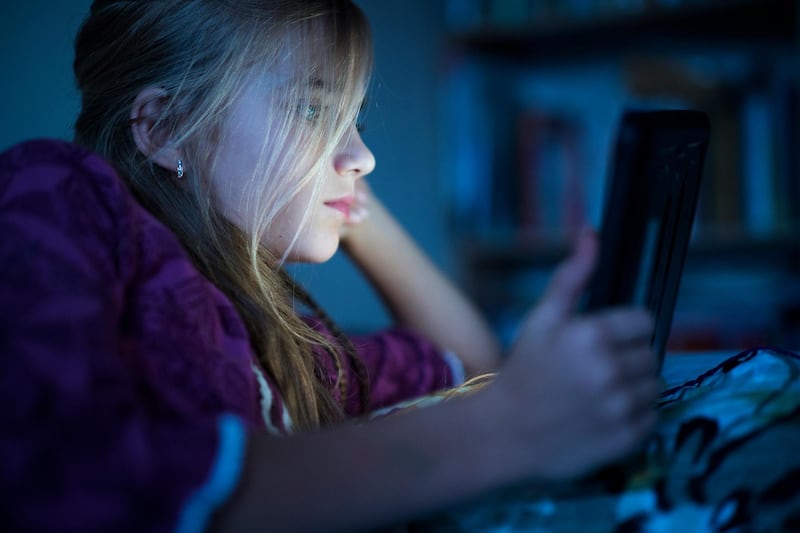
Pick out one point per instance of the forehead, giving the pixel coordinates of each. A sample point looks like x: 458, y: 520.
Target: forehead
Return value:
x: 291, y: 75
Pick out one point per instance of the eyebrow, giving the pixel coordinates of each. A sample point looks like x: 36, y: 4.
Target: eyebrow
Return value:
x: 319, y: 83
x: 316, y: 83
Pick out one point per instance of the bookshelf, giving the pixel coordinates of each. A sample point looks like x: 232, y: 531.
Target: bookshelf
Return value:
x: 531, y: 91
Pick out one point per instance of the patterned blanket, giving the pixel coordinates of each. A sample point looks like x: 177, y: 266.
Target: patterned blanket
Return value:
x: 725, y: 457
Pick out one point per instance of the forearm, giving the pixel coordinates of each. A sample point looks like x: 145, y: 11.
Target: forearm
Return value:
x: 361, y: 477
x: 575, y: 392
x: 418, y: 294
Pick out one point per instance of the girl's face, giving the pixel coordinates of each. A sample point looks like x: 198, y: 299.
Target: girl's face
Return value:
x: 239, y: 155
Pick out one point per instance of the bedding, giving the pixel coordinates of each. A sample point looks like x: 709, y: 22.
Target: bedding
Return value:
x: 725, y: 457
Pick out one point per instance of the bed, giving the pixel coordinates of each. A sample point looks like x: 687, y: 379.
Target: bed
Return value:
x: 725, y: 457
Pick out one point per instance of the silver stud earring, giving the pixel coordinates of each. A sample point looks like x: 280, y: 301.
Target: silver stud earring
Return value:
x: 180, y: 169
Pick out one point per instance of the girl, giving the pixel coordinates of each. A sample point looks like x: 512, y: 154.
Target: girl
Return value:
x: 153, y: 336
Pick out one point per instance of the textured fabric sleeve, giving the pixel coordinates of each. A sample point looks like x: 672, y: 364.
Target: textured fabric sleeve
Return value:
x: 86, y: 443
x: 400, y: 365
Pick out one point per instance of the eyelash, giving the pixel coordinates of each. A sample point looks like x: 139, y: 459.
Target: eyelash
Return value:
x: 311, y: 111
x: 361, y: 126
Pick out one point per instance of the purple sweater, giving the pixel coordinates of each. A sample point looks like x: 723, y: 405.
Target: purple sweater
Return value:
x: 127, y: 381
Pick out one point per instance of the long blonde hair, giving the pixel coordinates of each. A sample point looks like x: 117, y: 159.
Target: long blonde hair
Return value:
x: 201, y: 53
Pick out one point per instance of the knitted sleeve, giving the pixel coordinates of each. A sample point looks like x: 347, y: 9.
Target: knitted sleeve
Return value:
x: 119, y: 411
x: 400, y: 365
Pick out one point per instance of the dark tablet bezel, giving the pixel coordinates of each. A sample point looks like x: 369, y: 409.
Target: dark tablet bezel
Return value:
x: 649, y: 209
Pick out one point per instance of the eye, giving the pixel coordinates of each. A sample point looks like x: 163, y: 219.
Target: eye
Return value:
x: 310, y: 111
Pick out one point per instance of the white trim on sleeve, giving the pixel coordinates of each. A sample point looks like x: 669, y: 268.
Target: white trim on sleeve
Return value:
x: 456, y: 367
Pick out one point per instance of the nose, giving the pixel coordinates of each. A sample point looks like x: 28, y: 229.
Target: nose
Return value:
x: 353, y: 158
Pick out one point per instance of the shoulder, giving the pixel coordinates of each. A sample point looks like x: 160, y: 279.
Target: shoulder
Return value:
x: 67, y: 200
x: 60, y: 200
x: 43, y: 166
x: 89, y: 268
x: 59, y: 190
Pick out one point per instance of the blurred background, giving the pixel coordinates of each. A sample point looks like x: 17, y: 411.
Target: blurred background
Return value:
x: 491, y: 122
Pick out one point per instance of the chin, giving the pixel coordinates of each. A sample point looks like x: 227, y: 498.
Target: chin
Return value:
x: 320, y: 253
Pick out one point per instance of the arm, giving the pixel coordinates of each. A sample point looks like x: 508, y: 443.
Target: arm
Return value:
x: 416, y: 292
x: 575, y: 392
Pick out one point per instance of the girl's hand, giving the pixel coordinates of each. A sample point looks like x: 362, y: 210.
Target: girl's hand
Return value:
x: 359, y: 211
x: 415, y: 292
x: 579, y: 390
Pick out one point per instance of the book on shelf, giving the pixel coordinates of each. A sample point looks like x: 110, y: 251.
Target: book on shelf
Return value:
x: 468, y: 148
x: 753, y: 186
x: 760, y: 210
x: 786, y: 119
x: 549, y: 176
x: 750, y: 186
x: 721, y: 200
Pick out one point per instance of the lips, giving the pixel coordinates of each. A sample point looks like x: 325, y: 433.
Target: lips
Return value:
x: 342, y: 204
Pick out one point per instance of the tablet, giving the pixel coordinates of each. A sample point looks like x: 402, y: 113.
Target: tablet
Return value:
x: 649, y: 208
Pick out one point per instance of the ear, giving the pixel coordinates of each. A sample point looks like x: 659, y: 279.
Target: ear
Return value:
x: 151, y: 138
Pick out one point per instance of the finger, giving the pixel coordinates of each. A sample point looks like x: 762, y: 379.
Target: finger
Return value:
x: 362, y: 191
x: 569, y: 280
x: 648, y: 392
x: 637, y: 364
x: 625, y: 325
x: 628, y: 404
x: 358, y: 214
x: 640, y: 429
x: 642, y: 363
x: 626, y: 437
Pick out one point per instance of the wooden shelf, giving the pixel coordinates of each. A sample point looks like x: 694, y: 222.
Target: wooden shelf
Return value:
x: 781, y: 251
x: 721, y: 22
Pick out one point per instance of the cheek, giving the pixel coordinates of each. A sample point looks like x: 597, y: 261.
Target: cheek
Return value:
x: 229, y: 201
x: 316, y: 243
x: 232, y: 184
x: 286, y: 225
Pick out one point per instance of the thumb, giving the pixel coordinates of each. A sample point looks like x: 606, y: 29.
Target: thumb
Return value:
x: 569, y: 280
